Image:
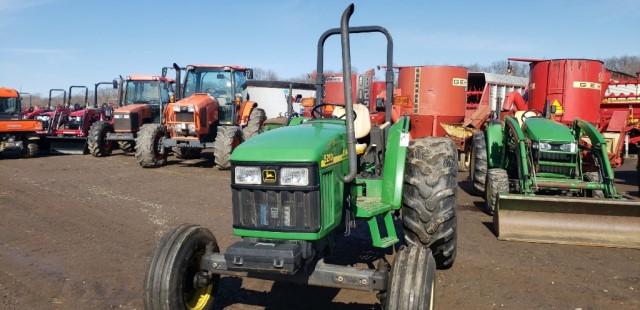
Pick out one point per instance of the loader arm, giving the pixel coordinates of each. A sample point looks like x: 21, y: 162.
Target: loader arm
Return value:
x: 515, y: 132
x: 599, y: 151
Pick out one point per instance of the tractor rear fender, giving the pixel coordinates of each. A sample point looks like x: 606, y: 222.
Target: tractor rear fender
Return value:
x: 599, y: 151
x: 495, y: 145
x: 395, y: 157
x: 244, y: 111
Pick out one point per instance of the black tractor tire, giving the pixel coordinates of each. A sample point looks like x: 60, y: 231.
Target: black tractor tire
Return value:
x: 429, y: 197
x: 32, y: 148
x: 169, y: 282
x: 497, y: 182
x: 412, y: 280
x: 594, y: 176
x: 147, y: 148
x: 227, y: 138
x: 254, y: 125
x: 127, y: 146
x: 478, y: 164
x: 186, y: 152
x: 97, y: 142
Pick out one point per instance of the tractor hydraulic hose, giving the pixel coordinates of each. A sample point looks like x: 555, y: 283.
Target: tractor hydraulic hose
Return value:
x: 346, y: 73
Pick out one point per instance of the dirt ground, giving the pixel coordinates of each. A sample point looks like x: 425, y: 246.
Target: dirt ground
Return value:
x: 76, y: 232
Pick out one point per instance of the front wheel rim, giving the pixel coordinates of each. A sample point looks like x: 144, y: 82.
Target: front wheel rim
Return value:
x: 200, y: 298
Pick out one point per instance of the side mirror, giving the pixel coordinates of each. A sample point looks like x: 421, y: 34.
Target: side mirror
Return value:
x: 172, y: 97
x: 164, y: 71
x: 115, y: 84
x: 249, y: 74
x: 298, y: 98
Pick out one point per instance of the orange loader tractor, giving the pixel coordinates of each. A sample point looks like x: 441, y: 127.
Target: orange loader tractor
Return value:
x: 18, y: 136
x: 210, y: 113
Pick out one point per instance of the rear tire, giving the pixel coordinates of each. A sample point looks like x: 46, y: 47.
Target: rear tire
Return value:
x: 429, y: 197
x: 497, y: 182
x: 478, y: 164
x: 127, y: 146
x: 412, y: 280
x: 594, y: 176
x: 186, y: 152
x: 147, y: 146
x: 227, y: 138
x: 97, y: 142
x: 256, y: 119
x: 175, y: 261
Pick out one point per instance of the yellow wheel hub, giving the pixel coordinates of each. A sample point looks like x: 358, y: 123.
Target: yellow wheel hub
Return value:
x: 201, y: 298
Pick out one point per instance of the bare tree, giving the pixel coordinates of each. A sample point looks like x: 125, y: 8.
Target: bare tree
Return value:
x: 264, y: 74
x: 501, y: 67
x: 626, y: 64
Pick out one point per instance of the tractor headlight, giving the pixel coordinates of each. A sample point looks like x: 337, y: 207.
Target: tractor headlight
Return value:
x: 294, y: 176
x: 176, y: 108
x: 191, y: 108
x: 125, y: 116
x: 543, y: 146
x: 247, y: 175
x: 569, y: 147
x: 117, y: 116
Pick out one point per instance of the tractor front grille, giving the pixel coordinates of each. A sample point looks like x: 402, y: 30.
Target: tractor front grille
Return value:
x: 126, y: 124
x: 553, y: 156
x: 276, y: 210
x: 184, y: 117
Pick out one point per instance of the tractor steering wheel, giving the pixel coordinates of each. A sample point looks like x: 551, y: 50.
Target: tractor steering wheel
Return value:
x: 528, y: 114
x: 315, y: 113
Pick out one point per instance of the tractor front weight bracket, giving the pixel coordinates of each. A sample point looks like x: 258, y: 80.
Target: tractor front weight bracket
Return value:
x: 323, y: 274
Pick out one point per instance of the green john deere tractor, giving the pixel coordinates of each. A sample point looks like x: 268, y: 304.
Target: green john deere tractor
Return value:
x: 298, y: 191
x: 547, y: 182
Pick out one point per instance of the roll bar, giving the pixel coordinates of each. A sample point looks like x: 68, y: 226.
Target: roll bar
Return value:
x: 344, y: 32
x: 114, y: 84
x: 64, y: 95
x: 86, y: 93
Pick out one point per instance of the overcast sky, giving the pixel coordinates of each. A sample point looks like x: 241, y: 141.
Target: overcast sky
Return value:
x: 55, y: 43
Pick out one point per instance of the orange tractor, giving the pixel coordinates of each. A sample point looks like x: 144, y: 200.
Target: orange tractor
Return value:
x: 18, y: 136
x: 141, y: 99
x: 210, y: 113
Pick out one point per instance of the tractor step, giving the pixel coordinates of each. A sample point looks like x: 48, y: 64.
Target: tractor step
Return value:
x: 376, y: 235
x: 367, y: 207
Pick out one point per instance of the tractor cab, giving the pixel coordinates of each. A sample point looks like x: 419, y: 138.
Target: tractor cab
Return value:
x: 224, y: 83
x: 9, y: 104
x: 146, y: 95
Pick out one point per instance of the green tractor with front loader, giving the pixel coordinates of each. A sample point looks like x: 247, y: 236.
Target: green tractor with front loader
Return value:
x: 298, y: 193
x: 552, y: 183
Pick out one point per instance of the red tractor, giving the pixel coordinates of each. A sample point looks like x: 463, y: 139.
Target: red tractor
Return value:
x: 140, y: 101
x: 211, y: 113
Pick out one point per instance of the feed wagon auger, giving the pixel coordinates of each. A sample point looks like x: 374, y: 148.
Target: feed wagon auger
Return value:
x: 545, y: 185
x: 296, y: 191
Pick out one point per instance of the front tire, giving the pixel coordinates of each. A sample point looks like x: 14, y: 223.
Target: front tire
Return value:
x: 412, y: 280
x: 169, y: 282
x: 227, y: 138
x: 478, y: 164
x: 497, y: 182
x: 32, y: 149
x: 429, y: 197
x: 97, y: 142
x: 148, y: 146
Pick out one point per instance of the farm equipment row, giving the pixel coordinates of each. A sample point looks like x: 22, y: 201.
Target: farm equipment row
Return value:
x: 382, y: 155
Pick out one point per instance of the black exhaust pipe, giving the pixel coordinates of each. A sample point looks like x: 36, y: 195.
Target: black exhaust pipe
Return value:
x: 178, y: 81
x: 346, y: 78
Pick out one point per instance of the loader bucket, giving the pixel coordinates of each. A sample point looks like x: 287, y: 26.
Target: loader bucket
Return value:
x: 565, y: 220
x: 68, y: 145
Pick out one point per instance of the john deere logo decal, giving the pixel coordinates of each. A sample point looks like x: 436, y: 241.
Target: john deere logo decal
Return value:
x: 269, y: 176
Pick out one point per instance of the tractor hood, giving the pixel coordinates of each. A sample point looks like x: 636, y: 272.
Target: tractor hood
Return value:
x: 199, y: 100
x: 542, y: 129
x: 131, y: 108
x: 308, y: 142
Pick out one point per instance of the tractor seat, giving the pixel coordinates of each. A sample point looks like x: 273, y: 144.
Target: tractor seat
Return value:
x: 361, y: 125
